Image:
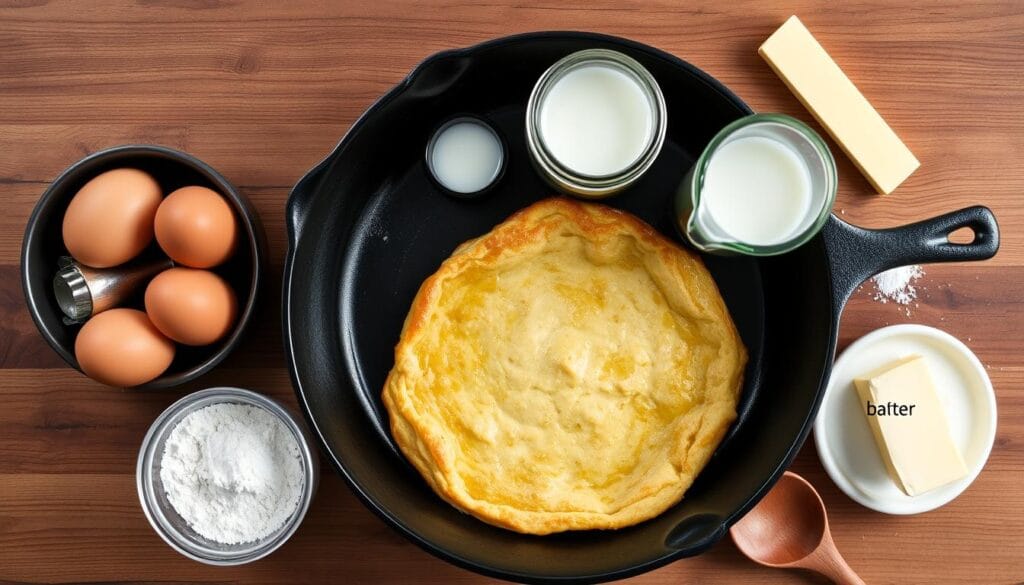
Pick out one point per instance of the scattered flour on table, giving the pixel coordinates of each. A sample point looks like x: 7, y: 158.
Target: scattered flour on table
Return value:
x: 897, y: 285
x: 233, y: 472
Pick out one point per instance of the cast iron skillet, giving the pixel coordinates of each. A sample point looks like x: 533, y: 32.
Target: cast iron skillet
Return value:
x: 367, y: 226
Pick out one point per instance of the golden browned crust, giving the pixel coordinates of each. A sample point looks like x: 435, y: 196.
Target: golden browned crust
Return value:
x: 572, y: 369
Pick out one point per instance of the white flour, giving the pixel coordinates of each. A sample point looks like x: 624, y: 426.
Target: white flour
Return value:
x: 897, y: 285
x: 233, y: 472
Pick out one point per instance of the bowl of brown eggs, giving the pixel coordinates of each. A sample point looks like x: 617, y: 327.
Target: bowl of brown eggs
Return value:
x: 141, y: 266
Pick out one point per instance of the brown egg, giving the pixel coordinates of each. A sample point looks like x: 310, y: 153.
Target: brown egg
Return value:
x: 195, y: 226
x: 191, y: 306
x: 120, y: 347
x: 110, y: 219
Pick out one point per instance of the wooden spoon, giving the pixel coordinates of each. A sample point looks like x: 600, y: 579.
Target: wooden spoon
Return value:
x: 789, y: 529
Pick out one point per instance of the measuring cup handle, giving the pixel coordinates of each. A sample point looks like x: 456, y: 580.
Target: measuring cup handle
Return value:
x: 839, y: 572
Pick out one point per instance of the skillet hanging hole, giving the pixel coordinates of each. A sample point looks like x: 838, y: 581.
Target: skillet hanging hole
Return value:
x: 962, y: 236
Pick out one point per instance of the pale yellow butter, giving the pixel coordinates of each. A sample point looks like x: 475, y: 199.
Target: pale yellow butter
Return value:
x: 823, y: 88
x: 909, y: 426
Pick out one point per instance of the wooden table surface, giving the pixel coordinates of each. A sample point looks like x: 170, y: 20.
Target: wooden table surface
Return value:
x: 262, y: 91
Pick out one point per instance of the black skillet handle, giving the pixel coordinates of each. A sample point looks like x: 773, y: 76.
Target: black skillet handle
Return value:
x: 856, y: 254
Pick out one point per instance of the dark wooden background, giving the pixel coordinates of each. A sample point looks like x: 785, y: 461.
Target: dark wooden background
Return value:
x: 262, y: 90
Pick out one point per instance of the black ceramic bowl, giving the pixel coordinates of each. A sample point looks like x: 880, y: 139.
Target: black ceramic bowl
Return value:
x: 44, y: 244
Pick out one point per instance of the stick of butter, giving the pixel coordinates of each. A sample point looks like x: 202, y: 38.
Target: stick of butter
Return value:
x: 909, y: 426
x: 828, y: 93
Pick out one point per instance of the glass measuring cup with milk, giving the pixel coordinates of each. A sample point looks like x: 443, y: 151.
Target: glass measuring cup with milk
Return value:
x: 764, y: 185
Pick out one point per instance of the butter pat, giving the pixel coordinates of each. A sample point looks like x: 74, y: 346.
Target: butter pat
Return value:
x: 909, y: 426
x: 828, y: 93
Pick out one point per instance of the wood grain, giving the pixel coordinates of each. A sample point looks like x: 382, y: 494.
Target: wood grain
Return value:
x: 262, y: 90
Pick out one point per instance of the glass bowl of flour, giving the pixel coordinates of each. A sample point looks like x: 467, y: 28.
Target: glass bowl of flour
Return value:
x: 225, y: 476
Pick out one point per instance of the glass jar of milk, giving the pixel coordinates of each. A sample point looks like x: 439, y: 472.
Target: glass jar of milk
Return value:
x: 764, y: 185
x: 595, y: 122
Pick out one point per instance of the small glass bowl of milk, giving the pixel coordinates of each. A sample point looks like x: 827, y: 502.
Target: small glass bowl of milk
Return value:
x: 466, y: 156
x: 595, y: 122
x: 764, y: 185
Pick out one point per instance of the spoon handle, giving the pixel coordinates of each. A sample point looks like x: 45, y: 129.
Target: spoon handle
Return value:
x: 835, y: 568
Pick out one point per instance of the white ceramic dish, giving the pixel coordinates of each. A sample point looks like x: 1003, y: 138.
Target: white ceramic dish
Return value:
x: 841, y: 433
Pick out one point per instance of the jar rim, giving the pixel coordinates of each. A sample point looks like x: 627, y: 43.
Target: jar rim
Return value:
x: 584, y: 183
